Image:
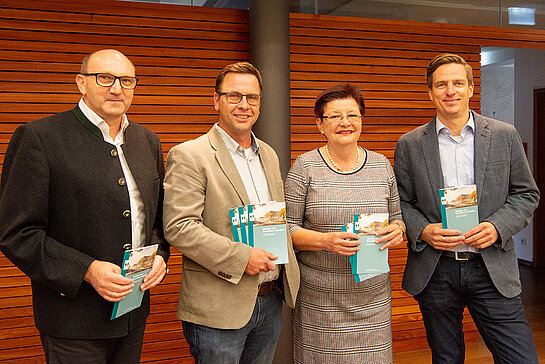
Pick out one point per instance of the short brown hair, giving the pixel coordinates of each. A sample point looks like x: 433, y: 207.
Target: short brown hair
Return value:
x: 239, y: 67
x: 338, y: 92
x: 447, y: 58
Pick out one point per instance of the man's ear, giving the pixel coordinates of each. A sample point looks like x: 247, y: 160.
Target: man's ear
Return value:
x: 80, y: 81
x: 216, y: 101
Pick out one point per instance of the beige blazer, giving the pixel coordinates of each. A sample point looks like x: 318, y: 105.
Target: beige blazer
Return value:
x: 201, y: 185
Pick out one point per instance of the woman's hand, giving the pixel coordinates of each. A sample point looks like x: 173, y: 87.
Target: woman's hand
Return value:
x: 341, y: 243
x: 393, y: 235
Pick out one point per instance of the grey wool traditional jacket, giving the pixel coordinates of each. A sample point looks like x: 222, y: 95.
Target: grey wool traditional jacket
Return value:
x: 62, y: 204
x: 506, y: 191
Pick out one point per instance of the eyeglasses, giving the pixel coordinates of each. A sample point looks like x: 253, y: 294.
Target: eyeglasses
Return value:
x: 234, y: 97
x: 336, y: 118
x: 107, y: 80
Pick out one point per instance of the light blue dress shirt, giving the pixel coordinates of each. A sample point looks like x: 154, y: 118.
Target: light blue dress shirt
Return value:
x: 457, y: 159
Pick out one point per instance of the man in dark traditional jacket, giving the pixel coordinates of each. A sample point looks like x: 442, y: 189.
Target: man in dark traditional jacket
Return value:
x: 77, y: 190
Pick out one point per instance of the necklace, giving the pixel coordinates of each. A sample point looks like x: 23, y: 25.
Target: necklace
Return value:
x: 337, y: 167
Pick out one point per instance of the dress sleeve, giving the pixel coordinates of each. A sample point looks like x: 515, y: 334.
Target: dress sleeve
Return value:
x: 394, y: 205
x: 296, y: 188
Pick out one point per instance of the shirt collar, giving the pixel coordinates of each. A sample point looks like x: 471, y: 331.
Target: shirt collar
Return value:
x: 439, y: 126
x: 232, y: 145
x: 99, y: 122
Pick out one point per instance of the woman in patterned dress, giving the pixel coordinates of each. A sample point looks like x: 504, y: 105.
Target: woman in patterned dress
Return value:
x: 337, y: 320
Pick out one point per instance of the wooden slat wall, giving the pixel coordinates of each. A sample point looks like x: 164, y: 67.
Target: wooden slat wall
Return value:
x: 177, y: 50
x: 389, y: 66
x: 388, y: 60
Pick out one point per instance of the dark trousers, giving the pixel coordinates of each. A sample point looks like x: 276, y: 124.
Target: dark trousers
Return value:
x: 120, y: 350
x: 501, y: 321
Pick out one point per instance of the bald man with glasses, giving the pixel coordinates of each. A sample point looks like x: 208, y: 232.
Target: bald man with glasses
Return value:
x: 231, y: 294
x: 78, y: 189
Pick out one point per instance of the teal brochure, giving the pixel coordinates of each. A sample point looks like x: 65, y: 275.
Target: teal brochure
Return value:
x: 459, y: 209
x: 136, y: 264
x: 243, y: 217
x: 351, y: 258
x: 235, y: 224
x: 251, y: 218
x: 270, y: 229
x: 370, y: 261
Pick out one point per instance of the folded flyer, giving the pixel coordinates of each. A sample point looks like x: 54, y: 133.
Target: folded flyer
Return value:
x: 369, y: 261
x: 136, y: 264
x: 459, y: 209
x: 269, y: 229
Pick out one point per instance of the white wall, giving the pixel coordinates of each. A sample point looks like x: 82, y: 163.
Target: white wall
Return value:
x: 528, y: 73
x: 497, y: 91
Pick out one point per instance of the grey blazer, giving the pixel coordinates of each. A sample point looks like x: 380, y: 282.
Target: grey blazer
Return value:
x: 506, y: 191
x: 201, y: 185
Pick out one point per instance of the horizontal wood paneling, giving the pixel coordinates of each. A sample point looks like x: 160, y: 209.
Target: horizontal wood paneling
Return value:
x: 177, y: 51
x: 388, y: 60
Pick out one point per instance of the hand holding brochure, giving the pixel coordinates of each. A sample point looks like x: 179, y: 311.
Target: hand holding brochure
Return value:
x: 136, y: 264
x: 459, y: 209
x: 262, y: 226
x: 369, y: 261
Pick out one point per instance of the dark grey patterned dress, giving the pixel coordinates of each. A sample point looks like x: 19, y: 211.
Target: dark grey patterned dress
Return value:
x: 336, y: 320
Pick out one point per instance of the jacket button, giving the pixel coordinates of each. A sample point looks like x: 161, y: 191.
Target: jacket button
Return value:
x: 127, y: 214
x: 122, y: 181
x: 113, y: 153
x: 127, y: 246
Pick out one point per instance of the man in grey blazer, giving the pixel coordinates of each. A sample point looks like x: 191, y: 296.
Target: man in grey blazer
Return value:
x: 231, y: 294
x: 447, y: 270
x: 78, y: 189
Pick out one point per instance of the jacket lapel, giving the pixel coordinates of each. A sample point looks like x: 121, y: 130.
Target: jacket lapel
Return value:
x: 481, y: 149
x: 432, y: 160
x: 140, y: 160
x: 223, y: 157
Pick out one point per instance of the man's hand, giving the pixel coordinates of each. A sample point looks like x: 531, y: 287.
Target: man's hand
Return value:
x: 342, y: 243
x: 482, y: 235
x: 442, y: 239
x: 260, y: 261
x: 107, y: 280
x: 393, y: 236
x: 156, y: 274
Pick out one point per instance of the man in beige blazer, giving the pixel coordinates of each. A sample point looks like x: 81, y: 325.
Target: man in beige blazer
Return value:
x: 231, y: 294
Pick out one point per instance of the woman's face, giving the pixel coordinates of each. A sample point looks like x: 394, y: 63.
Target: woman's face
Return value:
x: 341, y: 124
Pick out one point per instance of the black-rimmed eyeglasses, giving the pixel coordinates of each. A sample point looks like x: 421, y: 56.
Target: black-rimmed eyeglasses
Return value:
x: 107, y: 80
x: 234, y: 97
